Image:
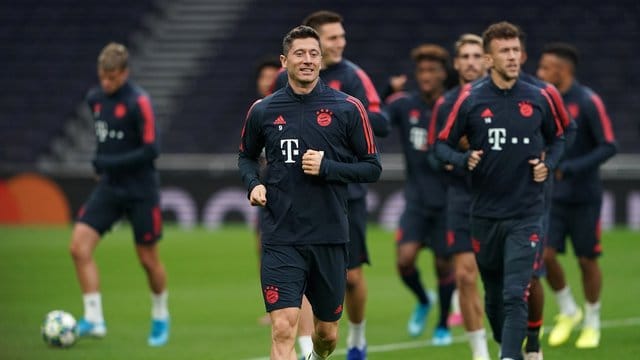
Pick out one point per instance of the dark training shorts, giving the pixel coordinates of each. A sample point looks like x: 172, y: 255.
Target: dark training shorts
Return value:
x: 581, y: 222
x: 318, y: 271
x: 107, y: 204
x: 458, y: 232
x: 424, y: 225
x: 357, y: 245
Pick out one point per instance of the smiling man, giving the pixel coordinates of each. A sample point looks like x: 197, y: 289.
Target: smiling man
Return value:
x: 509, y: 124
x: 316, y: 141
x: 342, y: 74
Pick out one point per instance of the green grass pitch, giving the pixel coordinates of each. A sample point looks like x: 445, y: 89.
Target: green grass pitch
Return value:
x: 215, y: 298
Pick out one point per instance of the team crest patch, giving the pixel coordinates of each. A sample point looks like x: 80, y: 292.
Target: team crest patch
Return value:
x: 97, y: 107
x: 414, y: 116
x: 120, y: 111
x: 526, y: 109
x: 335, y: 84
x: 574, y: 110
x: 271, y: 294
x: 323, y: 117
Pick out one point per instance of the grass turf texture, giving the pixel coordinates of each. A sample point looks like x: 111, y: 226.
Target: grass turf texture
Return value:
x: 215, y: 298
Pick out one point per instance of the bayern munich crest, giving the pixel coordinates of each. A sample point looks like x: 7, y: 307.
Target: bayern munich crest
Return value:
x: 323, y: 117
x: 526, y: 109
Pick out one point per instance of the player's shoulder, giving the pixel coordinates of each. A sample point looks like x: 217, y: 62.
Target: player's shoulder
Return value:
x: 94, y: 94
x: 398, y: 98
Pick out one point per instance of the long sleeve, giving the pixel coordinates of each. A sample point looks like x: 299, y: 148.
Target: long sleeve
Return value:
x: 600, y: 128
x: 367, y: 168
x: 553, y: 131
x: 449, y: 136
x: 251, y: 144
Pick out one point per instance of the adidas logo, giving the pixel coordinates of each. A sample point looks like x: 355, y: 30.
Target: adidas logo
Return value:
x: 487, y: 115
x: 279, y: 121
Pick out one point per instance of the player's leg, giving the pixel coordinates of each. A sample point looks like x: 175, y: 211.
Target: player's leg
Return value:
x: 586, y: 242
x: 146, y: 219
x: 522, y: 239
x: 536, y: 297
x: 409, y: 241
x: 96, y: 217
x: 326, y: 288
x: 283, y: 275
x: 488, y: 244
x: 356, y: 291
x: 445, y: 273
x: 305, y: 329
x: 570, y: 314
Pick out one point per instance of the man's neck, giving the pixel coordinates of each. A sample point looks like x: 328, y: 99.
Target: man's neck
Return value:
x: 302, y: 88
x: 501, y: 82
x: 565, y: 85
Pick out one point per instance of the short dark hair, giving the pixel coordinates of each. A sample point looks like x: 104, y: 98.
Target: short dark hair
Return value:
x: 266, y: 62
x: 564, y: 51
x: 114, y: 56
x: 501, y: 30
x: 319, y: 18
x: 430, y: 52
x: 299, y: 32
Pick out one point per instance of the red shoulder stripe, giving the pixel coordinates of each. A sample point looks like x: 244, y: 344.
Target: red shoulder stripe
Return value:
x: 148, y: 119
x: 368, y: 133
x: 559, y: 126
x: 604, y: 118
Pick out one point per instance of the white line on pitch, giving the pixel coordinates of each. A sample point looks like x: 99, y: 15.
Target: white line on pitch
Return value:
x: 462, y: 338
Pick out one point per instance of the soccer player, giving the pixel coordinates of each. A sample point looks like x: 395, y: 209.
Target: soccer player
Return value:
x: 316, y: 140
x: 341, y: 74
x: 266, y: 73
x: 423, y: 221
x: 127, y: 144
x: 508, y: 124
x: 577, y: 197
x: 470, y: 64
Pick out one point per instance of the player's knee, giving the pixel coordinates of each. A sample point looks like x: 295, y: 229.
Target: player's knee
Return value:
x: 405, y: 268
x: 282, y: 329
x: 586, y: 263
x: 354, y: 278
x: 327, y: 333
x: 466, y: 279
x: 513, y: 295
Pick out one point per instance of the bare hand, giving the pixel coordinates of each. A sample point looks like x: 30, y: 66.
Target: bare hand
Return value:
x: 463, y: 144
x: 258, y: 196
x: 397, y: 82
x: 474, y: 159
x: 540, y: 170
x: 311, y: 161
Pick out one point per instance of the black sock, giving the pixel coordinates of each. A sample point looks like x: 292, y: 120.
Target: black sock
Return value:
x: 533, y: 339
x: 412, y: 280
x: 446, y: 286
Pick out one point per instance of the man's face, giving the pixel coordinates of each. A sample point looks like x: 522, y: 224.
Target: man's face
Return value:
x: 549, y: 69
x: 430, y: 75
x: 333, y: 40
x: 470, y: 62
x: 266, y: 78
x: 303, y: 61
x: 504, y: 57
x: 111, y: 81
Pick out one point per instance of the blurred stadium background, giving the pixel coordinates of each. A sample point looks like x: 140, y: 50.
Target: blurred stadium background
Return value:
x: 197, y: 59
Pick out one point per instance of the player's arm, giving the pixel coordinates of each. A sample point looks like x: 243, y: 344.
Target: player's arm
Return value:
x: 364, y: 91
x: 568, y: 124
x: 144, y: 154
x: 601, y: 129
x: 251, y: 144
x: 553, y: 132
x: 449, y: 137
x: 436, y: 123
x: 367, y: 167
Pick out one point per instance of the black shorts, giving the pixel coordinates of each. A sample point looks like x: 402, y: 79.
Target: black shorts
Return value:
x: 581, y: 222
x: 424, y: 225
x: 318, y: 271
x: 507, y: 247
x: 357, y: 245
x: 458, y: 232
x: 107, y: 204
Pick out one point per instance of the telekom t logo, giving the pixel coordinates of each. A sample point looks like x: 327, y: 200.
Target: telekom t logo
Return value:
x: 289, y: 149
x: 497, y: 137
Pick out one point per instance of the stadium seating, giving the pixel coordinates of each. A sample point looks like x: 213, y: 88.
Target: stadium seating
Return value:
x: 48, y: 59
